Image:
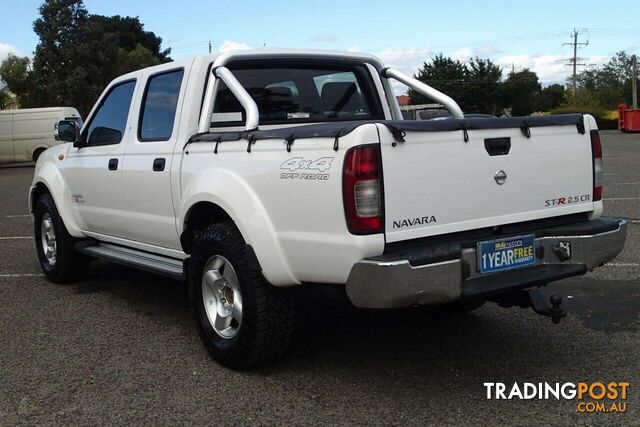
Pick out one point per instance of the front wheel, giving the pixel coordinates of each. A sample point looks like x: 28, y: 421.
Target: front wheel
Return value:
x: 55, y: 246
x: 243, y: 320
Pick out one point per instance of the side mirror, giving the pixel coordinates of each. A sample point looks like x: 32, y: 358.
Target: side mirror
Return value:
x: 68, y: 131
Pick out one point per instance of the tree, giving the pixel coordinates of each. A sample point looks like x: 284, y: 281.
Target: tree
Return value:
x: 609, y: 84
x: 444, y: 74
x: 56, y: 58
x: 4, y: 98
x: 483, y: 94
x: 79, y: 54
x: 520, y: 91
x: 17, y: 76
x: 128, y: 34
x: 550, y: 97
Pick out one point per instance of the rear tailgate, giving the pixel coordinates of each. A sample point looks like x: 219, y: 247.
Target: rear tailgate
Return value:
x: 436, y: 183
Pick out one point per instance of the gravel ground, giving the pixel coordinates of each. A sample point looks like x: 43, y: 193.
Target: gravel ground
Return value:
x: 120, y: 347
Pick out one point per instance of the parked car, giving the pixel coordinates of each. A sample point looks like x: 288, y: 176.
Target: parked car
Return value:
x: 250, y: 173
x: 26, y: 133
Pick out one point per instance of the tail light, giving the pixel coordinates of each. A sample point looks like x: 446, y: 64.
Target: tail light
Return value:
x: 362, y: 190
x: 596, y: 154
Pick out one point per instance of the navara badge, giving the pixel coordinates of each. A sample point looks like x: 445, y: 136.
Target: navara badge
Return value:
x: 500, y: 177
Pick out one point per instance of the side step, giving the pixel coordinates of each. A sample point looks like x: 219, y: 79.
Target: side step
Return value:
x: 134, y: 258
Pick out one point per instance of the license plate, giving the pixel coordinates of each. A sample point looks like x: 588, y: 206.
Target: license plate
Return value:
x: 506, y: 254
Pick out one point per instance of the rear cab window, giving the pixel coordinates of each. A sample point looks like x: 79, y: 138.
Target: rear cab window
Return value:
x: 289, y: 92
x: 159, y: 104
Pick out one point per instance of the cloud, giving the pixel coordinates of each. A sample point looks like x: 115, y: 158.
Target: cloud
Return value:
x: 6, y: 49
x: 324, y: 38
x: 486, y: 50
x: 232, y: 45
x: 463, y: 54
x: 549, y: 68
x: 407, y: 60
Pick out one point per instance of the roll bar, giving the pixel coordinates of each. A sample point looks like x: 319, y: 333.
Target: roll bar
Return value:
x: 249, y: 105
x: 219, y: 71
x: 426, y: 90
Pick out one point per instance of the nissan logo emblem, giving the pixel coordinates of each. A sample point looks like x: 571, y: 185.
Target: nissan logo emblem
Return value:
x: 500, y: 177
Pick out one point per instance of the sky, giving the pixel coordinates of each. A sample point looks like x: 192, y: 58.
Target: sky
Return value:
x: 515, y: 34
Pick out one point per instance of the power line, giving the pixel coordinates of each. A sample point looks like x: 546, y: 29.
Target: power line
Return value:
x: 573, y: 61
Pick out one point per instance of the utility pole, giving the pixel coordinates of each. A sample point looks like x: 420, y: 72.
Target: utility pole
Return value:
x: 209, y: 46
x: 574, y: 60
x: 634, y: 82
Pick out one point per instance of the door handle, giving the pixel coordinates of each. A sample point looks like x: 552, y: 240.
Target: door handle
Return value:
x: 497, y: 146
x: 113, y: 164
x: 158, y: 164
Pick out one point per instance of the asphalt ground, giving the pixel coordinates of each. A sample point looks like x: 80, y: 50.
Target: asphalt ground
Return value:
x: 120, y: 347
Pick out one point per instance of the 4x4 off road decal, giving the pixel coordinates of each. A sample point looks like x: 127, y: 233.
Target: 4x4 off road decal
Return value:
x: 300, y: 168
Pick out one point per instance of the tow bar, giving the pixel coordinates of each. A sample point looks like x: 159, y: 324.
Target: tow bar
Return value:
x: 540, y: 307
x: 533, y: 298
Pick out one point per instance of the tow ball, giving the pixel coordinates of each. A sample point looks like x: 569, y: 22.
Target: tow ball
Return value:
x: 539, y: 306
x: 533, y: 298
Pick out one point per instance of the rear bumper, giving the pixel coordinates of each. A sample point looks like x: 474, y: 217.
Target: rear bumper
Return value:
x: 398, y: 280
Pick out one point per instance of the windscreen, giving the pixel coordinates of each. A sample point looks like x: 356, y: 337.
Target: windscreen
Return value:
x: 299, y: 93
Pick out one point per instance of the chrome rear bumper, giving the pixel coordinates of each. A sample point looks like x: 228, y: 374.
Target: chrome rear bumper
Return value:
x: 390, y: 282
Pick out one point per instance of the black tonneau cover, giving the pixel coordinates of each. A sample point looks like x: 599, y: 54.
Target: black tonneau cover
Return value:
x: 337, y: 130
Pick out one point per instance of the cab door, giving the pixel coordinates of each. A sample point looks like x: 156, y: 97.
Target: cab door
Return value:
x: 94, y: 170
x: 148, y: 159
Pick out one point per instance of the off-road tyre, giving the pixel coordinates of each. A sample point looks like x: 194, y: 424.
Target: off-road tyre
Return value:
x: 69, y: 264
x: 268, y: 312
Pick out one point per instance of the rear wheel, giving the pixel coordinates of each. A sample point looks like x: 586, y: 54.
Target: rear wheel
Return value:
x: 55, y: 246
x: 243, y: 320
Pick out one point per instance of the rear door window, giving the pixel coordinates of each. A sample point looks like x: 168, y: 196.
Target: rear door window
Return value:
x: 159, y: 106
x: 299, y: 93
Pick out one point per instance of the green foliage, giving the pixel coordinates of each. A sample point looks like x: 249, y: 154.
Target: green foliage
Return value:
x: 550, y: 97
x: 608, y: 85
x: 4, y: 98
x: 478, y: 87
x: 475, y: 86
x: 17, y: 77
x: 78, y: 55
x: 600, y: 90
x: 521, y: 90
x: 444, y: 74
x: 56, y: 60
x: 598, y: 112
x: 484, y: 87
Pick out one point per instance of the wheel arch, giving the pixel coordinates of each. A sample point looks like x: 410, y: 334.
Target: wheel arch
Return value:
x: 225, y: 197
x: 39, y: 151
x: 198, y: 216
x: 48, y: 179
x: 38, y: 190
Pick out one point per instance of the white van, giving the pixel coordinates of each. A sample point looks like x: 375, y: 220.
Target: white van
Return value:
x: 25, y: 134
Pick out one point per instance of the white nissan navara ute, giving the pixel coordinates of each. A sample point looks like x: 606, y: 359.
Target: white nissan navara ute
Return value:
x: 249, y: 173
